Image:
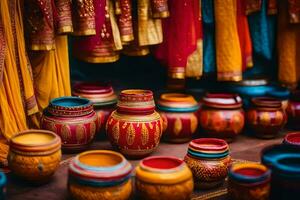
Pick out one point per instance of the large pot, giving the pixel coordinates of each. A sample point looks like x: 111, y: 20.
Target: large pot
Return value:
x: 292, y: 139
x: 248, y: 181
x: 284, y: 162
x: 34, y: 155
x: 208, y: 158
x: 103, y: 98
x: 100, y: 174
x: 222, y: 116
x: 135, y: 127
x: 73, y: 119
x: 179, y: 113
x: 266, y: 118
x: 160, y: 177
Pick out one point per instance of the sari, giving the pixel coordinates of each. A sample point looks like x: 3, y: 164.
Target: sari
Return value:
x: 63, y: 20
x: 288, y: 42
x: 181, y: 50
x: 228, y: 50
x: 124, y: 12
x: 102, y: 47
x: 263, y: 35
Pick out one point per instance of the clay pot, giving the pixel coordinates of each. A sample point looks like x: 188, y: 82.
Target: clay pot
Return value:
x: 179, y: 113
x: 292, y: 139
x: 208, y: 158
x: 284, y: 162
x: 2, y: 185
x: 34, y: 155
x: 101, y: 175
x: 266, y: 117
x: 135, y: 128
x: 73, y: 119
x: 164, y: 178
x: 293, y: 111
x: 248, y: 181
x: 222, y: 116
x: 103, y: 98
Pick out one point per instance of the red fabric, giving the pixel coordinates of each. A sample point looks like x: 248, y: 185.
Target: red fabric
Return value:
x: 294, y: 11
x: 244, y: 35
x: 181, y: 31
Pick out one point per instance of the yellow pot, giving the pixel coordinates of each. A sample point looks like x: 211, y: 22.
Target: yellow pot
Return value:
x: 34, y: 155
x: 163, y: 178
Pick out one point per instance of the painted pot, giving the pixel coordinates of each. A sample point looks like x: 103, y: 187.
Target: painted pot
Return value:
x: 208, y: 158
x: 284, y: 162
x: 103, y: 98
x: 164, y: 178
x: 222, y: 116
x: 3, y: 182
x: 73, y: 119
x: 100, y: 174
x: 282, y: 94
x: 135, y: 127
x: 179, y: 113
x: 293, y: 110
x: 248, y: 181
x: 266, y: 117
x: 292, y: 139
x: 34, y: 155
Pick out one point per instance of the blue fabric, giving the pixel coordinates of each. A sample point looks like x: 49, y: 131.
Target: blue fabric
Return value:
x: 263, y: 35
x: 209, y: 45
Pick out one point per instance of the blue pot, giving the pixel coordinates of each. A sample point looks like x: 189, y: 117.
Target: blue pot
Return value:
x: 2, y: 185
x: 284, y: 162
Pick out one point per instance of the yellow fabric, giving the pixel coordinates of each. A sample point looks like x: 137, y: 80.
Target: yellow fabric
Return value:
x: 288, y: 42
x: 51, y: 73
x: 16, y: 88
x: 228, y: 52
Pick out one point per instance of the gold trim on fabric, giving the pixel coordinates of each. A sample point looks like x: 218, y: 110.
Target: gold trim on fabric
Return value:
x: 114, y: 26
x: 65, y: 29
x: 127, y: 38
x: 140, y: 52
x: 84, y: 32
x: 229, y: 78
x: 41, y: 47
x: 176, y: 75
x: 90, y: 59
x: 164, y: 14
x: 194, y: 67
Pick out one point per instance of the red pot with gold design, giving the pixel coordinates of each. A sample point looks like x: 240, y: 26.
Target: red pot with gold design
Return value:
x: 73, y: 119
x: 103, y: 98
x: 293, y: 110
x: 208, y: 158
x: 135, y: 128
x: 179, y: 114
x: 221, y: 115
x: 266, y: 117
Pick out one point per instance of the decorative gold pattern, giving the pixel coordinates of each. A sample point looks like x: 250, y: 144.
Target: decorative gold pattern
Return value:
x: 145, y: 134
x: 116, y: 133
x: 177, y: 126
x: 80, y: 133
x: 130, y: 135
x: 194, y: 123
x: 157, y: 134
x: 65, y: 133
x: 51, y: 127
x: 93, y: 129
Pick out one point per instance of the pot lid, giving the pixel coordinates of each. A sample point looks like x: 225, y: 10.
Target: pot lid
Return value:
x: 222, y: 100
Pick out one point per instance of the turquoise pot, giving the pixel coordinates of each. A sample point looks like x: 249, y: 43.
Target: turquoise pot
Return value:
x: 284, y: 162
x: 2, y: 185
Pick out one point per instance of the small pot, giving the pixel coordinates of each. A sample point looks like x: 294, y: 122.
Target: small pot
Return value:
x: 248, y: 181
x: 208, y: 158
x: 103, y: 98
x: 135, y: 127
x: 34, y: 155
x: 161, y: 177
x: 100, y: 174
x: 293, y: 111
x: 266, y: 118
x: 3, y: 182
x: 222, y: 116
x: 284, y: 162
x: 292, y: 139
x: 73, y: 119
x: 179, y: 113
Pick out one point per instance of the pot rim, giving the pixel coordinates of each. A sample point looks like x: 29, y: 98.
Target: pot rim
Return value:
x: 177, y: 102
x: 268, y: 102
x: 222, y: 100
x: 253, y: 82
x: 93, y: 88
x: 288, y: 139
x: 53, y: 144
x: 136, y: 93
x: 265, y: 173
x: 178, y: 162
x: 83, y: 102
x: 209, y: 145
